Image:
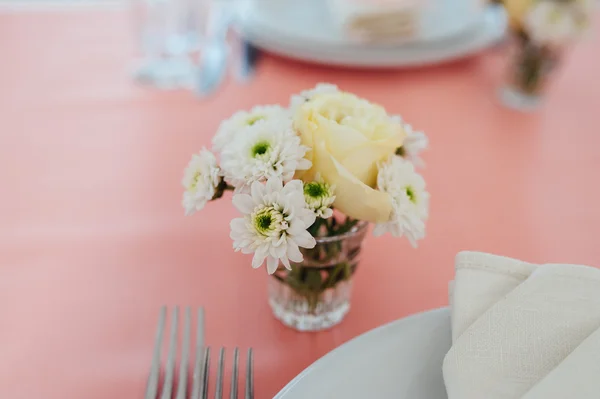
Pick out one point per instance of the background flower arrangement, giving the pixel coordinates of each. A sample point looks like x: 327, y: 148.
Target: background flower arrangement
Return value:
x: 307, y: 179
x: 543, y: 29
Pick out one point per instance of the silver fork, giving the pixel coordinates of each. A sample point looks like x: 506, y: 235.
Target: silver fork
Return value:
x: 201, y: 363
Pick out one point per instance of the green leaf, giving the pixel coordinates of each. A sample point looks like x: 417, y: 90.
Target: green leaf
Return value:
x: 349, y: 223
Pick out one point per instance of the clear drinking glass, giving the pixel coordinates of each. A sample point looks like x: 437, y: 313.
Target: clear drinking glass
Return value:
x: 529, y: 70
x: 170, y: 33
x: 315, y: 294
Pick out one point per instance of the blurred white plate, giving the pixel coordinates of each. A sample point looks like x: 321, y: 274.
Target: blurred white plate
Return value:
x: 306, y: 35
x: 312, y: 22
x: 401, y: 360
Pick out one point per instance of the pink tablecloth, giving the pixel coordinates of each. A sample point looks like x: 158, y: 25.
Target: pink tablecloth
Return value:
x: 93, y: 238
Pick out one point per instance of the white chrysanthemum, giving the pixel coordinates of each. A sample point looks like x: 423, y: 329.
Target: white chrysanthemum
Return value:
x: 319, y: 197
x: 557, y: 23
x: 587, y: 6
x: 200, y: 180
x: 229, y: 128
x: 268, y: 149
x: 414, y: 143
x: 410, y: 200
x: 298, y: 99
x: 274, y: 223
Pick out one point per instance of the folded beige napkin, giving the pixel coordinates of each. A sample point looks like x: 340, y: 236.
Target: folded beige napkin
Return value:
x: 376, y: 20
x: 523, y: 331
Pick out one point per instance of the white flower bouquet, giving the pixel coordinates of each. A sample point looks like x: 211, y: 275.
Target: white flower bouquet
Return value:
x: 307, y: 179
x: 543, y: 28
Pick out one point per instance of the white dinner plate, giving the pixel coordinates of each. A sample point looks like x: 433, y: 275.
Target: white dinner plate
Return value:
x: 400, y: 360
x: 287, y: 37
x: 311, y: 22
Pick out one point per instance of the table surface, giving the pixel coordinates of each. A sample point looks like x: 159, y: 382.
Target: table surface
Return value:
x: 92, y: 234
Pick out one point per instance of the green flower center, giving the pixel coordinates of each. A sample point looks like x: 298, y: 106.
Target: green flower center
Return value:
x: 315, y: 190
x: 260, y: 148
x: 267, y: 221
x: 253, y: 119
x: 400, y: 151
x: 263, y: 222
x: 410, y: 192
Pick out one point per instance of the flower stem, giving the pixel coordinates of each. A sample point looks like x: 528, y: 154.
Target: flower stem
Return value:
x: 316, y: 226
x: 310, y: 283
x: 221, y: 188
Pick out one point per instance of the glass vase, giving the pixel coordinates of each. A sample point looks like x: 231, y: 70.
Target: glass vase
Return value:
x: 529, y: 70
x: 315, y: 294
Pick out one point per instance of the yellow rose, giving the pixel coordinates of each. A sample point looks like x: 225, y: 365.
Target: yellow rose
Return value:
x: 516, y: 10
x: 349, y: 136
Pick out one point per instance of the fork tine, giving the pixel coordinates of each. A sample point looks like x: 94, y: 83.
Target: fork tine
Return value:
x: 205, y: 373
x: 249, y: 376
x: 234, y: 375
x: 219, y: 388
x: 185, y: 355
x: 197, y: 378
x: 168, y: 383
x: 152, y: 386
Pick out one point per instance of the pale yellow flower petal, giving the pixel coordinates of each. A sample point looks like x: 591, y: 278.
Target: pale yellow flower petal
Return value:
x: 516, y: 10
x: 353, y: 197
x: 305, y: 127
x: 339, y: 138
x: 349, y: 136
x: 362, y: 161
